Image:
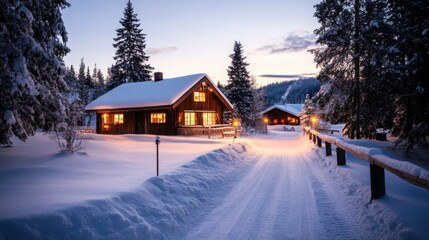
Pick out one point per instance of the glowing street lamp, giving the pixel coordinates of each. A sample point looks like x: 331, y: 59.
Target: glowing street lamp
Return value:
x: 266, y: 124
x: 235, y: 124
x: 314, y: 120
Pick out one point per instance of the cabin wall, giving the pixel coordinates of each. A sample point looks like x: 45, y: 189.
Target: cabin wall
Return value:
x: 144, y: 125
x: 276, y: 116
x: 211, y: 104
x: 110, y: 127
x: 137, y: 122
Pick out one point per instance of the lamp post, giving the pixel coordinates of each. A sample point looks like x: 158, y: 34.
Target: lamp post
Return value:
x: 157, y: 142
x: 314, y: 120
x: 266, y: 124
x: 235, y: 124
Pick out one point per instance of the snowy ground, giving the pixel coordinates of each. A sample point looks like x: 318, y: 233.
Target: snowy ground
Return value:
x: 35, y: 178
x: 276, y: 186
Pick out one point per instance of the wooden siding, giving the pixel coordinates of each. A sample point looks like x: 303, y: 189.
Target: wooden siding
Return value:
x: 120, y: 128
x: 281, y: 117
x: 167, y: 128
x: 212, y: 103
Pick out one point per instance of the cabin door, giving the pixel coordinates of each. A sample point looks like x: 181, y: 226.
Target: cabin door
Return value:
x: 139, y: 123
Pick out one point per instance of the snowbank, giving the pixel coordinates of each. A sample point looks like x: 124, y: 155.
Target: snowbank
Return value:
x: 153, y: 211
x: 35, y: 179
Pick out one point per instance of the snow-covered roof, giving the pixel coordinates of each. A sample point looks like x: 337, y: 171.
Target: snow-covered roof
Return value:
x: 293, y: 109
x: 148, y: 94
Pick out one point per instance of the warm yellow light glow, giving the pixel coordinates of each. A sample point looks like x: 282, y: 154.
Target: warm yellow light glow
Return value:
x: 199, y: 96
x: 106, y: 126
x: 314, y: 119
x: 235, y: 123
x: 265, y: 120
x: 105, y: 118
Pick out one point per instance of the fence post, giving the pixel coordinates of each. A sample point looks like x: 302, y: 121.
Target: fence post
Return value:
x: 378, y: 186
x: 328, y: 148
x: 319, y: 142
x: 309, y: 135
x: 314, y: 138
x: 341, y: 156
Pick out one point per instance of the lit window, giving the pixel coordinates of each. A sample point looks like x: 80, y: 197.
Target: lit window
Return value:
x: 282, y: 120
x: 157, y: 118
x: 106, y: 118
x: 189, y: 118
x: 199, y: 96
x: 209, y: 118
x: 118, y: 118
x: 276, y: 121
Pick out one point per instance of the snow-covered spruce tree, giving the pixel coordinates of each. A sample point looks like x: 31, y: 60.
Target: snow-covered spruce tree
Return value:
x: 411, y: 76
x: 357, y: 37
x: 376, y: 95
x: 32, y: 43
x: 257, y: 106
x: 239, y: 86
x: 66, y: 133
x: 308, y: 110
x: 99, y: 83
x: 335, y: 60
x: 131, y: 60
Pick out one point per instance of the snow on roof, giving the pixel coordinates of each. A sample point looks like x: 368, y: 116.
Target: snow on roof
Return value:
x: 293, y: 109
x: 147, y: 94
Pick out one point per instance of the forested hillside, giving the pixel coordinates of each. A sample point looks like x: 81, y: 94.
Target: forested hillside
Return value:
x: 293, y: 91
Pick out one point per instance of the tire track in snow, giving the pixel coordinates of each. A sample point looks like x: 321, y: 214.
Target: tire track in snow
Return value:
x: 280, y: 198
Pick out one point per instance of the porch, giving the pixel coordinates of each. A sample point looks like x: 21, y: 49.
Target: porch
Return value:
x: 216, y: 131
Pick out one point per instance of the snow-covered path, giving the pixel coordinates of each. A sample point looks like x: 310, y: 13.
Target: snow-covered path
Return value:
x: 281, y: 198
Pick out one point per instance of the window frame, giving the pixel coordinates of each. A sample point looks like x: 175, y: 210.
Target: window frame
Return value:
x: 199, y: 96
x: 118, y: 118
x: 206, y: 118
x: 190, y: 119
x: 159, y: 117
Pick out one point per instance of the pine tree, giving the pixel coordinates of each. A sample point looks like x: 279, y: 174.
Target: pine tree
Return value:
x: 32, y: 43
x: 411, y: 73
x: 71, y: 80
x: 336, y: 61
x: 239, y: 86
x: 81, y: 80
x: 376, y: 96
x: 256, y: 107
x: 308, y: 110
x: 131, y: 59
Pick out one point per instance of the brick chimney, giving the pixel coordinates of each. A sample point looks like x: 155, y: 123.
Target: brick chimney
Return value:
x: 157, y: 76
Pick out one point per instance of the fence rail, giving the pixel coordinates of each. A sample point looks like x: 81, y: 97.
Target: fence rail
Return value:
x: 374, y: 156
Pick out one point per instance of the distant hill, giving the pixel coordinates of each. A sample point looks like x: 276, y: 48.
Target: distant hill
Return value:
x: 292, y: 91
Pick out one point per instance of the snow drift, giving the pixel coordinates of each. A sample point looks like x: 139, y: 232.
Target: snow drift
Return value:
x: 154, y: 211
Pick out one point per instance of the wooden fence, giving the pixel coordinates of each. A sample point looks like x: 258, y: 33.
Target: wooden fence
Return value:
x: 373, y: 155
x: 221, y: 130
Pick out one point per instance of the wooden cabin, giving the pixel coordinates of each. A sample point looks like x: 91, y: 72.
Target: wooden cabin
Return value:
x: 283, y: 114
x: 172, y: 106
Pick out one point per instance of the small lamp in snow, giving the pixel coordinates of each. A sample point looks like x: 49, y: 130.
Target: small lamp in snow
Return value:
x: 157, y: 142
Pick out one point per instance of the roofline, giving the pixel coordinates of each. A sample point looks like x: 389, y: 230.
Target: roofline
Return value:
x: 277, y: 106
x: 130, y: 109
x: 179, y: 99
x: 220, y: 95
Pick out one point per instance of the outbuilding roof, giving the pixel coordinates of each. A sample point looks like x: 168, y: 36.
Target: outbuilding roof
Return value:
x: 148, y: 94
x: 294, y: 109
